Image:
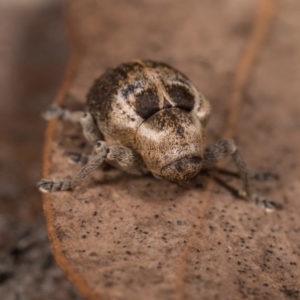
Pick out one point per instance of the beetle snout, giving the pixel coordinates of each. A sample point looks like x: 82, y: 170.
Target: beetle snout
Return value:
x: 182, y: 170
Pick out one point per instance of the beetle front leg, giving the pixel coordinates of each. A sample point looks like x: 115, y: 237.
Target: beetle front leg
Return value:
x: 49, y: 185
x: 126, y: 159
x: 119, y: 156
x: 220, y: 150
x: 122, y: 157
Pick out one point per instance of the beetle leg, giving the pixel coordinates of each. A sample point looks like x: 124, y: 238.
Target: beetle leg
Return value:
x: 90, y: 128
x: 88, y: 124
x: 126, y: 159
x: 122, y: 157
x: 49, y: 185
x: 259, y: 175
x: 220, y: 150
x: 57, y: 112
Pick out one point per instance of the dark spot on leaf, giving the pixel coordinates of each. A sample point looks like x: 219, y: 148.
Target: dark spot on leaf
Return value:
x: 180, y: 222
x: 109, y: 284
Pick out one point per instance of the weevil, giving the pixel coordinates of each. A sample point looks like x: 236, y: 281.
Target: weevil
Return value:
x: 146, y: 117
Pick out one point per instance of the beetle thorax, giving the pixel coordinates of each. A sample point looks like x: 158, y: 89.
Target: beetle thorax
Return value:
x: 171, y: 143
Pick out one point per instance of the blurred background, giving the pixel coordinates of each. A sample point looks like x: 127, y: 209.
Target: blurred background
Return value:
x: 33, y: 56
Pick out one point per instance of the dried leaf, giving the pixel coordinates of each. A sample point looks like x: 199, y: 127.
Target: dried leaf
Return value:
x: 125, y: 237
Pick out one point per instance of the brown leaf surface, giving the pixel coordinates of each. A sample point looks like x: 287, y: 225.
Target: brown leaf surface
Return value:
x: 124, y: 237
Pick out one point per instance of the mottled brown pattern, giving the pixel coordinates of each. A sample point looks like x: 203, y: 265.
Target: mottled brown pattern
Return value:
x: 147, y: 103
x: 168, y: 136
x: 127, y: 95
x: 166, y: 104
x: 107, y: 86
x: 183, y: 97
x: 185, y: 168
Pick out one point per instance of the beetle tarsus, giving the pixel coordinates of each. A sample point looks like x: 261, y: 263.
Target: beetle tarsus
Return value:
x: 264, y: 176
x: 49, y: 185
x: 266, y: 204
x: 58, y: 112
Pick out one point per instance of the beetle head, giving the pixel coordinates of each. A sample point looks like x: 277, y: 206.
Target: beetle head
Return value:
x: 171, y: 143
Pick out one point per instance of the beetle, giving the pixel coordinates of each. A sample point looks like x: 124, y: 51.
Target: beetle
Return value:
x: 145, y: 117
